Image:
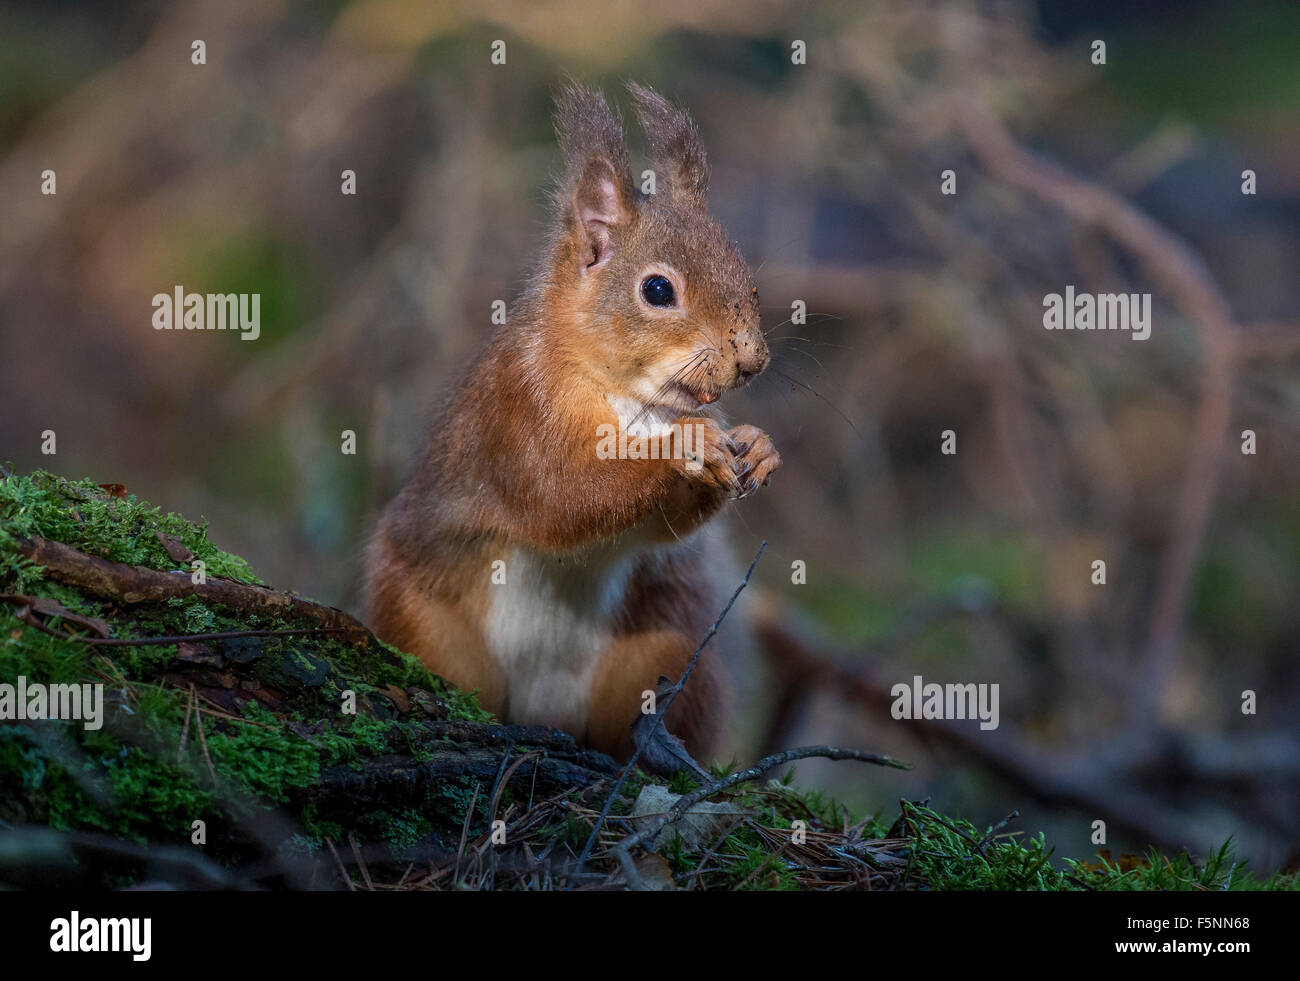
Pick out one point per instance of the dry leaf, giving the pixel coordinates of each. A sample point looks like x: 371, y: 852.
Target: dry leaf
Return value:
x: 175, y: 547
x: 52, y: 608
x: 698, y: 827
x: 399, y: 697
x: 655, y: 872
x: 661, y: 751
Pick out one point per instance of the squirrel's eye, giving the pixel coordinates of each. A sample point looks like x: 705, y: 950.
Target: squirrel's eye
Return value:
x: 658, y: 292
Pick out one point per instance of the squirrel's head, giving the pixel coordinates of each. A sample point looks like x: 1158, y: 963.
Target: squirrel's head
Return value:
x: 661, y: 304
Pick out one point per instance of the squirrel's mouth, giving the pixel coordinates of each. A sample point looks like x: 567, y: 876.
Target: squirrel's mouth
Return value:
x: 702, y: 396
x: 699, y: 396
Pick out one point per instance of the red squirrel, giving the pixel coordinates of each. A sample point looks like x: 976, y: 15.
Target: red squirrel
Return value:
x: 519, y: 560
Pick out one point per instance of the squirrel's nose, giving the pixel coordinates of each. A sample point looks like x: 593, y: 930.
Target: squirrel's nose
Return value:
x: 749, y: 348
x: 750, y: 361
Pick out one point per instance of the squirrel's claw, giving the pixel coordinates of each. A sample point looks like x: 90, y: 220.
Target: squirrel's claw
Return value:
x: 756, y: 462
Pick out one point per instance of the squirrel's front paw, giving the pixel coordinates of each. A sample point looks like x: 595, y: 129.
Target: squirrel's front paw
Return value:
x: 755, y: 458
x: 710, y: 458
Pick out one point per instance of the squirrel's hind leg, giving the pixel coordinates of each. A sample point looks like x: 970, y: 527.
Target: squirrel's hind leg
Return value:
x: 632, y: 666
x: 406, y: 610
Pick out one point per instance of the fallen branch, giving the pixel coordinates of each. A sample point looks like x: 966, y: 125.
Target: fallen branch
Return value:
x: 1004, y: 753
x: 1176, y: 267
x: 134, y: 584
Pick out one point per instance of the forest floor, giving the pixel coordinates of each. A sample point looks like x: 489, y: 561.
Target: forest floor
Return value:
x: 249, y: 738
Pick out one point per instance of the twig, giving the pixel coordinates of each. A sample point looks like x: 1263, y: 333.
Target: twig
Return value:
x: 404, y: 875
x: 464, y: 833
x: 650, y: 830
x: 185, y: 729
x: 203, y: 740
x: 505, y: 780
x: 356, y: 853
x: 993, y: 831
x: 704, y: 859
x: 659, y: 716
x: 352, y: 886
x: 496, y: 783
x: 695, y: 657
x: 954, y: 829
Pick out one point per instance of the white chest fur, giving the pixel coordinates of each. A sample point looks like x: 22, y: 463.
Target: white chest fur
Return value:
x: 637, y: 420
x: 548, y: 625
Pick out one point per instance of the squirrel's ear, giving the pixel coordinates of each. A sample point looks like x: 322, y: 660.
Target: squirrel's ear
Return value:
x: 596, y: 196
x: 675, y: 145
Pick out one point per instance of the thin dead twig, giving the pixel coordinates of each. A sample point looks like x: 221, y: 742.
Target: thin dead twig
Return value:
x: 651, y: 828
x: 352, y: 886
x: 659, y: 716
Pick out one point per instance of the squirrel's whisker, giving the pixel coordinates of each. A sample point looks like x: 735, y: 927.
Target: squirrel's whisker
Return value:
x: 808, y: 388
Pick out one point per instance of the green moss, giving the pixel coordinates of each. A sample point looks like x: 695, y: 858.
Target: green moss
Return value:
x: 1181, y: 873
x: 950, y: 853
x: 683, y: 782
x: 404, y: 830
x: 84, y: 516
x: 261, y: 760
x: 131, y: 778
x: 102, y: 785
x: 759, y: 868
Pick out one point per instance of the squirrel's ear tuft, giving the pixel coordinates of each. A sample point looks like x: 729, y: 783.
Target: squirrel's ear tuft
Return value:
x: 596, y: 194
x: 675, y: 145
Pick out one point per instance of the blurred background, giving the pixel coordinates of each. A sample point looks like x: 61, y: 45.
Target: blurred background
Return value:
x: 1120, y: 702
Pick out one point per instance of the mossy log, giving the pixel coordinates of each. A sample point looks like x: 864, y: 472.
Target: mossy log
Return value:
x: 249, y: 721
